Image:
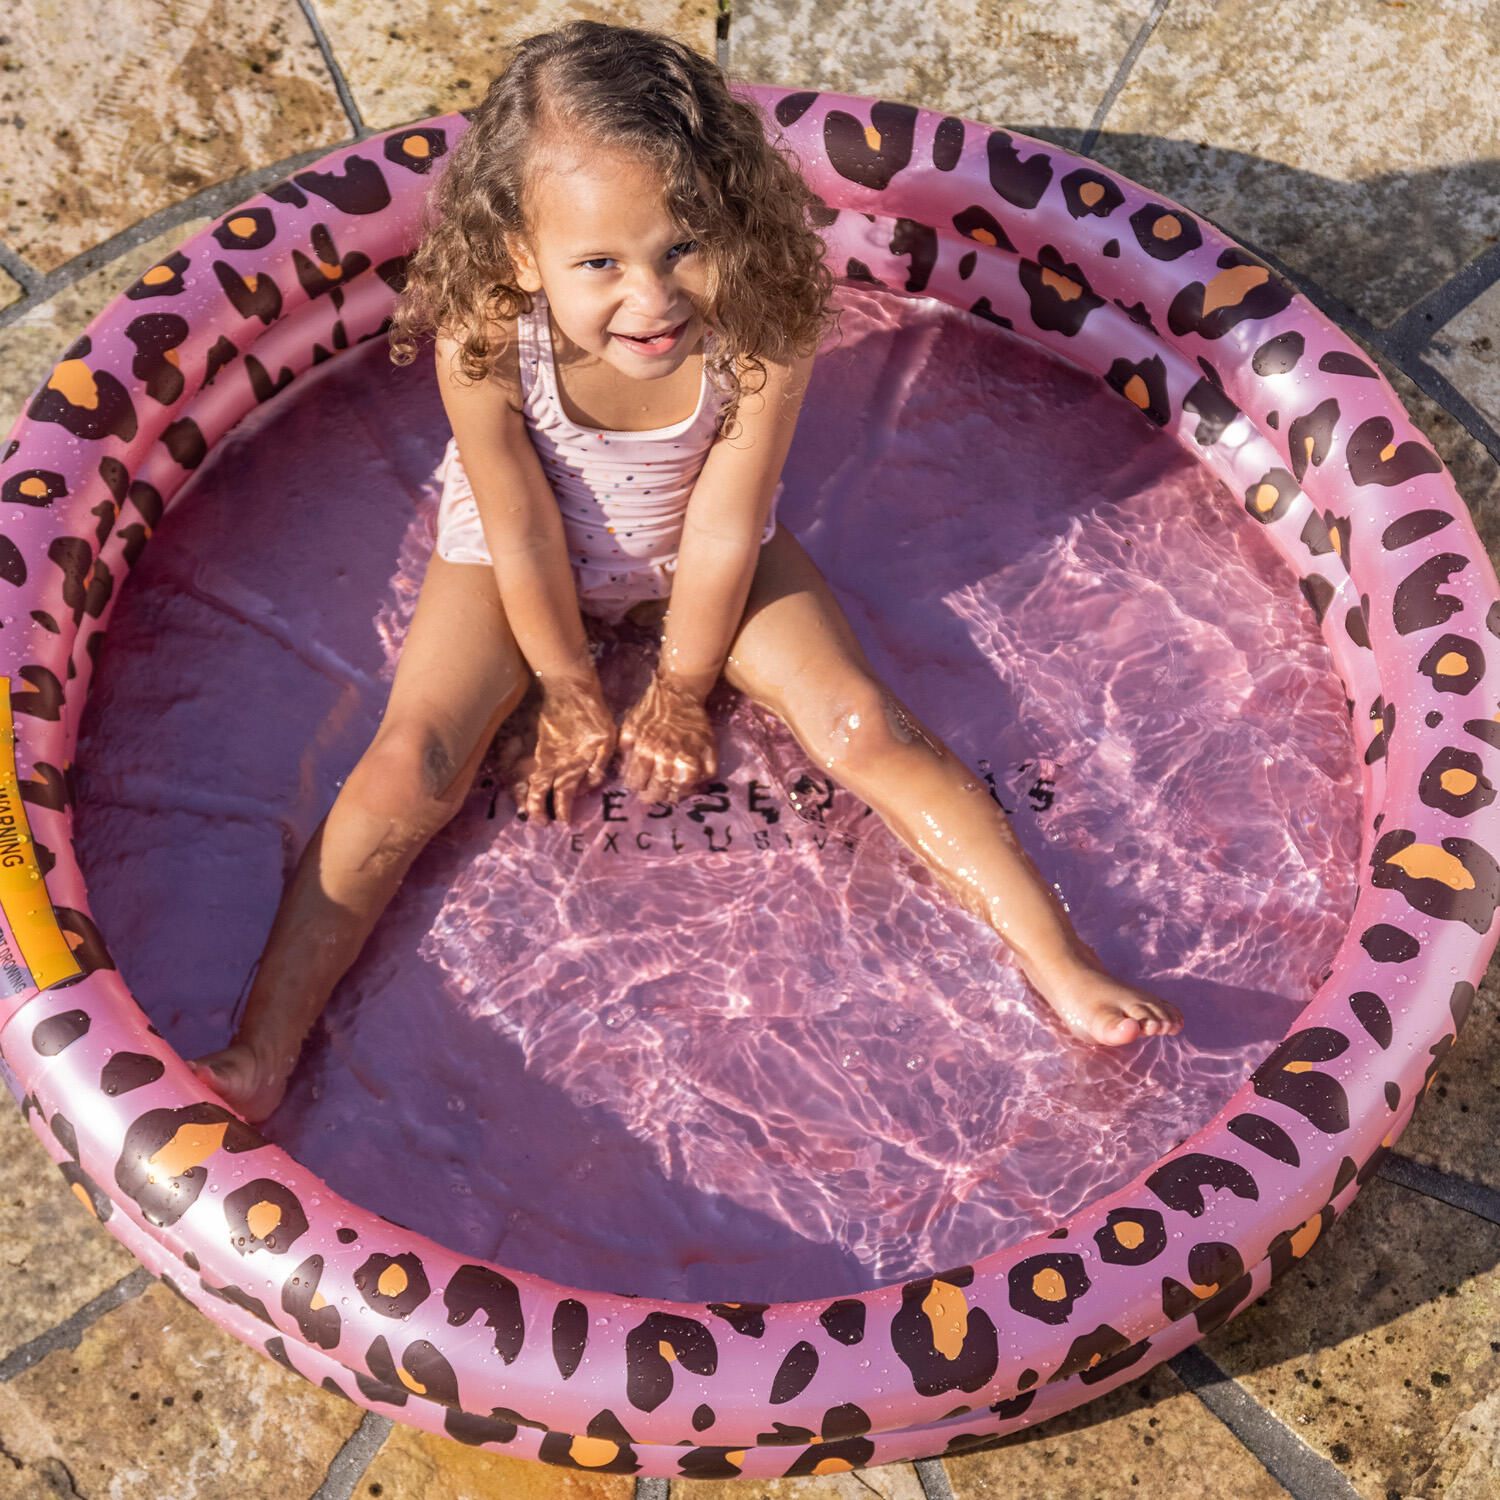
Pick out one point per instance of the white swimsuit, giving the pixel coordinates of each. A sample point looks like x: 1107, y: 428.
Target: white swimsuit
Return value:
x: 622, y: 495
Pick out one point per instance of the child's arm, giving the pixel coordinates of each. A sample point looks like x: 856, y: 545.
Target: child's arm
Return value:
x: 523, y: 530
x: 667, y: 733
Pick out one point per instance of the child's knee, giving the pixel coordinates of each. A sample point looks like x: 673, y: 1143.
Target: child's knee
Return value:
x: 869, y: 732
x: 409, y: 782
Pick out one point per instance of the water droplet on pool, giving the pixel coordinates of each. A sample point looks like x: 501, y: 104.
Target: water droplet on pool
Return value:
x: 915, y: 1062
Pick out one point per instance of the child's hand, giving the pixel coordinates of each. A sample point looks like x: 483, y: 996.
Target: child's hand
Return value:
x: 668, y: 743
x: 575, y: 738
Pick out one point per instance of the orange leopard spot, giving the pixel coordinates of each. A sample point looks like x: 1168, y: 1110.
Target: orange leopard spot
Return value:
x: 1387, y: 453
x: 318, y: 1303
x: 591, y: 1452
x: 1459, y: 783
x: 189, y: 1146
x: 416, y: 145
x: 1135, y: 390
x: 1264, y: 497
x: 984, y: 236
x: 1304, y: 1238
x: 76, y: 381
x: 1230, y: 287
x: 410, y: 1381
x: 34, y: 486
x: 81, y: 1194
x: 330, y: 270
x: 666, y: 1351
x: 1166, y: 228
x: 1129, y: 1233
x: 1049, y: 1285
x: 1090, y: 193
x: 1428, y: 862
x: 392, y: 1281
x: 832, y: 1466
x: 1064, y: 286
x: 947, y: 1311
x: 263, y: 1218
x: 1452, y: 664
x: 1300, y: 1066
x: 242, y: 225
x: 872, y: 138
x: 156, y: 275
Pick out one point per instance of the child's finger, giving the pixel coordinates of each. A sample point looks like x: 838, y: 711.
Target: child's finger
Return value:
x: 536, y: 797
x: 600, y: 764
x: 563, y: 791
x: 639, y: 769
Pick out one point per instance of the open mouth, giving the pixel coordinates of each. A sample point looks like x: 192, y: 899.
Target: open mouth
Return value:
x: 654, y: 343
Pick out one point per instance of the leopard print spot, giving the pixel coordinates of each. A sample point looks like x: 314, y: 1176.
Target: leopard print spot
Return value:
x: 947, y: 1310
x: 591, y: 1453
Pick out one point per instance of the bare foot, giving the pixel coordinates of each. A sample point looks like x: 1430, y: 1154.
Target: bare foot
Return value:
x: 1097, y: 1008
x: 242, y: 1080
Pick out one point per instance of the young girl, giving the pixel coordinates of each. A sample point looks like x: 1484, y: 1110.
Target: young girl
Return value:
x: 626, y: 295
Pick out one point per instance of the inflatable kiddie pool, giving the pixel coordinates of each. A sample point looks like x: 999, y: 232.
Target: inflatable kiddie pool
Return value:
x: 1183, y: 323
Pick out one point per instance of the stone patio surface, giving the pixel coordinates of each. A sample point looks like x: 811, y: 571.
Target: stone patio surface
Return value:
x: 1353, y: 144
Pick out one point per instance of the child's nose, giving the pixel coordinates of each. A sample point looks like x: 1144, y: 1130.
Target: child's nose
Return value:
x: 649, y: 292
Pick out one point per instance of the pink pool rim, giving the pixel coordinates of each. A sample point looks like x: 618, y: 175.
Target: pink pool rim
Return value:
x: 1202, y: 338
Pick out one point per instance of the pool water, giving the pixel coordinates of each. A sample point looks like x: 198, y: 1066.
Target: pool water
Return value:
x: 747, y: 1049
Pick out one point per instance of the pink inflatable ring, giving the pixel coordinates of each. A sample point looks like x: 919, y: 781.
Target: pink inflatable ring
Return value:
x: 1185, y: 324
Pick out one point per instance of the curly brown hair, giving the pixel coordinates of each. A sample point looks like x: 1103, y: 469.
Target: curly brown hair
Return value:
x: 735, y: 192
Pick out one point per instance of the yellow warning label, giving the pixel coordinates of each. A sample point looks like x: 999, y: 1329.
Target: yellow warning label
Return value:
x: 23, y: 892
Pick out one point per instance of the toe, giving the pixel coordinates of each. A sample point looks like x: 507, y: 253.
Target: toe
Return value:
x: 1118, y: 1030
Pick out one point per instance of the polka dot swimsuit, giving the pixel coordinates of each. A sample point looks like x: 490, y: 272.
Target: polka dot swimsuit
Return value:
x: 622, y: 495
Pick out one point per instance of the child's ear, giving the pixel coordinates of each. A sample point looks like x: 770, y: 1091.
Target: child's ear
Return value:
x: 526, y: 272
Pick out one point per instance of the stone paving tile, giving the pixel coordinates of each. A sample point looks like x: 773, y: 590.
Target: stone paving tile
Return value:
x: 887, y: 1482
x: 156, y: 1403
x: 416, y: 1465
x: 54, y: 1254
x: 10, y: 290
x: 1345, y: 137
x: 1152, y: 1437
x: 1381, y: 1350
x: 33, y: 344
x: 1466, y: 350
x: 1041, y: 68
x: 405, y: 65
x: 108, y: 113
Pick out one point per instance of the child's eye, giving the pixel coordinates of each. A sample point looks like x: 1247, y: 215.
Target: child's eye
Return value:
x: 598, y: 263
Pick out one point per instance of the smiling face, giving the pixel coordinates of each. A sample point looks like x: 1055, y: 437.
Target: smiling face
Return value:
x: 623, y: 279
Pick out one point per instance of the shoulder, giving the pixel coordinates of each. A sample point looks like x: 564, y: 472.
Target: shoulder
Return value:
x: 772, y: 391
x: 502, y: 386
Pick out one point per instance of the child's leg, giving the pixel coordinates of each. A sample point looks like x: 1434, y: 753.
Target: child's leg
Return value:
x: 797, y: 655
x: 459, y: 676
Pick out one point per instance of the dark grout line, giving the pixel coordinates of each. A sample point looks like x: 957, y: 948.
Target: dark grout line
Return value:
x: 67, y: 1333
x: 652, y: 1489
x: 1117, y: 83
x: 351, y: 1461
x: 1412, y: 331
x: 27, y: 276
x: 346, y: 95
x: 1431, y: 1182
x: 1305, y: 1474
x: 210, y: 202
x: 933, y: 1478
